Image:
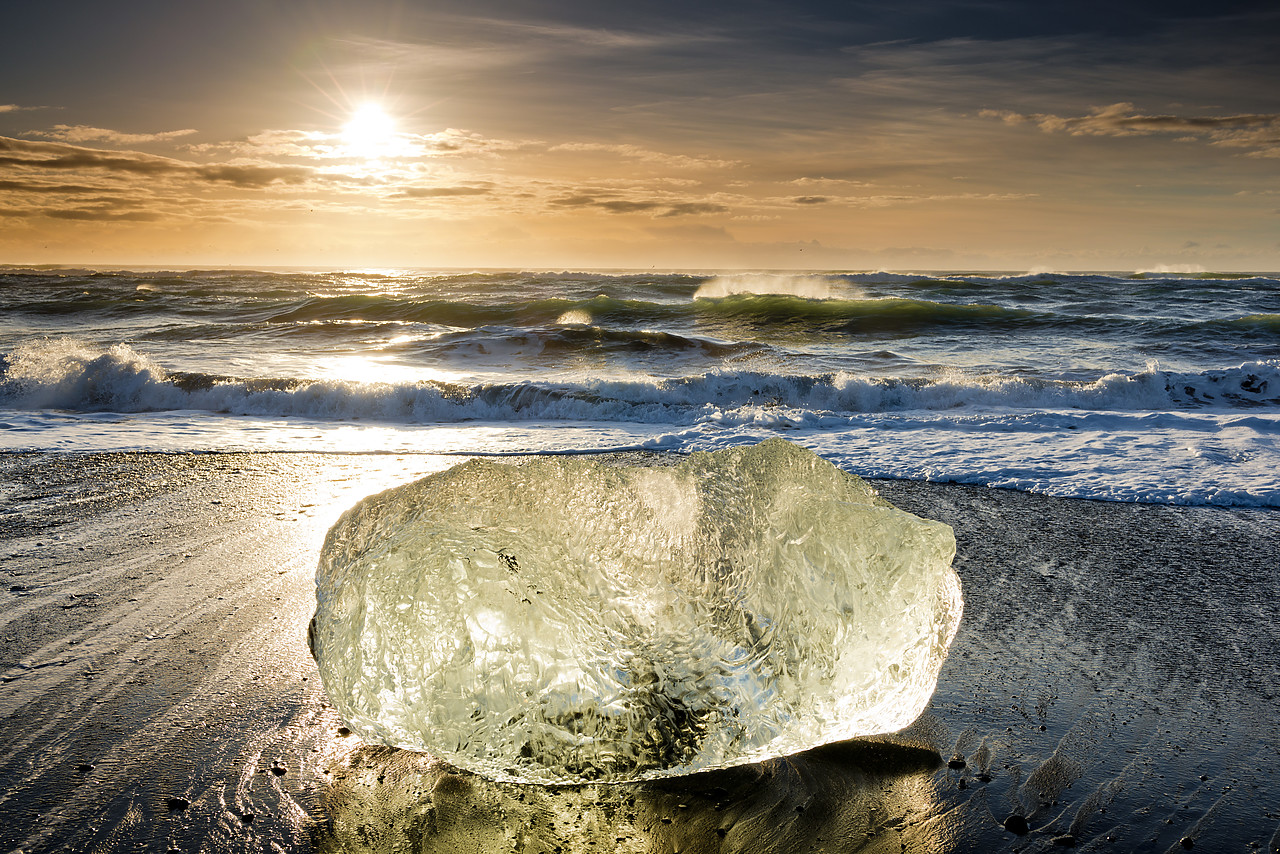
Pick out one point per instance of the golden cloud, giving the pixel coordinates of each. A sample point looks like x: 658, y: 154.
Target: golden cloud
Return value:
x: 1257, y: 131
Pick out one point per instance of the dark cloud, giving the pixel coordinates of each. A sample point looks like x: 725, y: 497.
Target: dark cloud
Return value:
x: 694, y: 209
x: 58, y: 156
x: 573, y: 201
x: 1121, y: 120
x: 630, y: 206
x: 627, y: 207
x: 101, y: 215
x: 64, y: 189
x: 440, y: 192
x: 82, y: 133
x: 253, y: 176
x: 10, y: 144
x: 61, y: 157
x: 111, y: 212
x: 1257, y: 131
x: 811, y: 200
x: 77, y: 161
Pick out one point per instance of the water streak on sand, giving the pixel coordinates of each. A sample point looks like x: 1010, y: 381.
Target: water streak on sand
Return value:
x: 152, y: 648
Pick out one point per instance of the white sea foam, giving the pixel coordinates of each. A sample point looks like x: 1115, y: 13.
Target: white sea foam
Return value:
x: 576, y: 317
x: 785, y: 284
x: 1214, y: 458
x: 1174, y: 269
x: 1162, y: 458
x: 1208, y: 437
x: 71, y: 375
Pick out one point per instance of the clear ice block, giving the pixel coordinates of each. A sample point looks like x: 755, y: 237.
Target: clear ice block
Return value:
x: 565, y: 620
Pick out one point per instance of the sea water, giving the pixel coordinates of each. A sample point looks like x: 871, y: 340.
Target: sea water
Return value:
x: 1133, y: 387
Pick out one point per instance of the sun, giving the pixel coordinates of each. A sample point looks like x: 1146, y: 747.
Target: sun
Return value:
x: 370, y: 132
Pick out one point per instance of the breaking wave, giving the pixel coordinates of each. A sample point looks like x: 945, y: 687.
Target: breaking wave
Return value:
x: 70, y: 375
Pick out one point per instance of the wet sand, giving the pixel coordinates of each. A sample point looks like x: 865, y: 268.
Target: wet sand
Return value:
x: 1114, y: 686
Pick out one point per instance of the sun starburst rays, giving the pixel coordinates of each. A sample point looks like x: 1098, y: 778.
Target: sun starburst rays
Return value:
x: 370, y: 133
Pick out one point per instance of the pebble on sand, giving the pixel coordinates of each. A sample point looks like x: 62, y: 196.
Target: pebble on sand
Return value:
x: 1017, y: 824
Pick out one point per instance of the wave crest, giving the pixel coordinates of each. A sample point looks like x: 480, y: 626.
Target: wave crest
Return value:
x: 72, y: 375
x: 778, y: 284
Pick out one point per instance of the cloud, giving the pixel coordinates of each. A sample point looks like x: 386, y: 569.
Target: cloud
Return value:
x: 880, y: 200
x: 252, y: 175
x: 83, y: 133
x: 440, y: 192
x: 662, y: 208
x: 103, y: 215
x: 91, y: 210
x: 1257, y: 131
x: 679, y: 161
x: 578, y: 201
x: 694, y: 209
x: 896, y: 199
x: 823, y: 181
x: 64, y: 157
x: 466, y: 44
x: 86, y: 160
x: 597, y: 39
x: 627, y: 207
x: 62, y: 189
x: 466, y: 55
x: 15, y: 108
x: 315, y: 145
x: 271, y: 143
x: 454, y: 140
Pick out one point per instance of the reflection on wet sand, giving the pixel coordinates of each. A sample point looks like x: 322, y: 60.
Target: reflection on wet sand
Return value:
x: 862, y: 795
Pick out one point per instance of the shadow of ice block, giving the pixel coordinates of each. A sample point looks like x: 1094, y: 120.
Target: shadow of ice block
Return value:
x: 564, y: 620
x: 861, y: 795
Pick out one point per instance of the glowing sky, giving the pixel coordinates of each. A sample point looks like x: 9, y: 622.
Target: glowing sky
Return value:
x: 508, y: 133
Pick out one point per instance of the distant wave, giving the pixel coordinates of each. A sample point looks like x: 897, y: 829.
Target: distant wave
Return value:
x: 755, y: 304
x: 758, y: 310
x: 70, y: 375
x: 1268, y: 324
x: 788, y: 284
x: 868, y: 315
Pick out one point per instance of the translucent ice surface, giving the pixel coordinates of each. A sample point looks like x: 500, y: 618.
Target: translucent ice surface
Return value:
x: 566, y: 620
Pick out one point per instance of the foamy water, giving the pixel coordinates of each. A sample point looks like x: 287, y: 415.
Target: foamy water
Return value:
x: 1161, y: 388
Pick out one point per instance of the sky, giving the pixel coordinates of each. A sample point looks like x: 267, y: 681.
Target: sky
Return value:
x: 575, y: 134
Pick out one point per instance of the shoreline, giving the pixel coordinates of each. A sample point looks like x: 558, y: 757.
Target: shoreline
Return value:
x: 1114, y: 677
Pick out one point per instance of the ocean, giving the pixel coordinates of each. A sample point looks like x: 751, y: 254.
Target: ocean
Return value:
x: 1157, y: 387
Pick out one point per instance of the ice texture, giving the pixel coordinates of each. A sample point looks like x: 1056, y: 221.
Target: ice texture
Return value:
x: 565, y: 620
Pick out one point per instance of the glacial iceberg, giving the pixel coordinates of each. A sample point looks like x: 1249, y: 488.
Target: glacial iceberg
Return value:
x: 565, y: 620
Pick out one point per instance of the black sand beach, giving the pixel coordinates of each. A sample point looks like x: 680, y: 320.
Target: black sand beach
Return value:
x: 1113, y: 687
